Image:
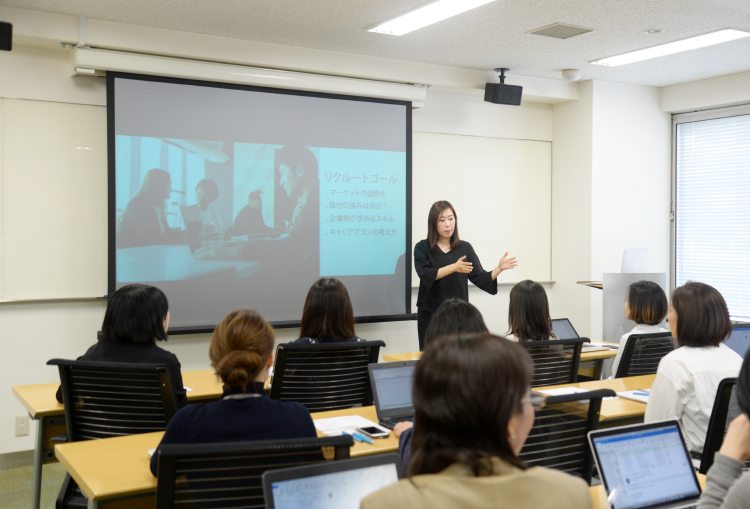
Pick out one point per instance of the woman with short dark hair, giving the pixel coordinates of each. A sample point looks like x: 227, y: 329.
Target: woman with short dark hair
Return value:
x: 528, y: 313
x: 137, y: 316
x: 473, y: 413
x: 454, y: 316
x: 726, y: 486
x: 645, y: 304
x: 328, y: 316
x: 687, y: 378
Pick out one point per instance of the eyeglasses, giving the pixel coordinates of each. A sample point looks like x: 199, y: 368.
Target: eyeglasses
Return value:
x: 538, y: 401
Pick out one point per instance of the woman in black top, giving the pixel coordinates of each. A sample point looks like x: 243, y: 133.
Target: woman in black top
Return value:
x: 328, y: 316
x: 445, y: 264
x: 137, y: 317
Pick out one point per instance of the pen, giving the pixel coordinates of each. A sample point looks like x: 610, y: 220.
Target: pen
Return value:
x: 355, y: 436
x: 362, y: 438
x: 640, y: 393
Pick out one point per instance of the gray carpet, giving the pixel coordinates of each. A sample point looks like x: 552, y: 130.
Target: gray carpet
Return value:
x: 15, y: 486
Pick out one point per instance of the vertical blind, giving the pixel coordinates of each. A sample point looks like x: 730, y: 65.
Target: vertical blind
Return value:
x: 712, y: 208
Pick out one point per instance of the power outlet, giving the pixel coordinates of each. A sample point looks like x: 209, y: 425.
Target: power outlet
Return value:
x: 22, y: 425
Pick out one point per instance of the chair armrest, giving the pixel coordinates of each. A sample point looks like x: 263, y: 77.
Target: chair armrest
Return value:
x: 59, y: 439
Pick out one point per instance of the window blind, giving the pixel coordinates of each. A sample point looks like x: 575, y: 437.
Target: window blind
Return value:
x: 712, y: 208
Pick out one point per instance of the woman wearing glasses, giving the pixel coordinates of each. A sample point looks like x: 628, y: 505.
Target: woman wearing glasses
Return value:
x: 473, y: 412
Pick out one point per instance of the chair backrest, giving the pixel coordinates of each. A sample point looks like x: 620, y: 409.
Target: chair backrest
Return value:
x: 724, y: 411
x: 555, y: 361
x: 110, y: 399
x: 558, y: 438
x: 643, y: 352
x: 229, y: 475
x: 325, y: 377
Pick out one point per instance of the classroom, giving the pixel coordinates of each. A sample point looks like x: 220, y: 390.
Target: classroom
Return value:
x: 608, y: 138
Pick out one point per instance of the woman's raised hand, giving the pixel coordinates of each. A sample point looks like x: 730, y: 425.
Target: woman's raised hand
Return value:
x: 462, y: 266
x: 507, y: 263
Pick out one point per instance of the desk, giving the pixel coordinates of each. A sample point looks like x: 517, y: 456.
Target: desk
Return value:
x: 594, y: 370
x: 40, y: 402
x: 599, y: 496
x: 90, y: 463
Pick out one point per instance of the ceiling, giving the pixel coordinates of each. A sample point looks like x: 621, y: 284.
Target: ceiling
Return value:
x: 490, y: 36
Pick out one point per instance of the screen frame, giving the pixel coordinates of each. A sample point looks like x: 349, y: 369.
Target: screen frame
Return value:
x: 111, y: 189
x: 642, y: 427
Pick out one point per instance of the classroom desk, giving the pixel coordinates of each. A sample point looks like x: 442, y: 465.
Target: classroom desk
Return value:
x: 40, y: 402
x: 591, y: 362
x: 599, y: 496
x: 119, y: 468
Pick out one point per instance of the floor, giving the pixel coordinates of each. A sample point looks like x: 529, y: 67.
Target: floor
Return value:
x: 15, y: 486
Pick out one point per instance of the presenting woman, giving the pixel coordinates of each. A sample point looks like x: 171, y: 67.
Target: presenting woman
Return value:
x: 445, y: 265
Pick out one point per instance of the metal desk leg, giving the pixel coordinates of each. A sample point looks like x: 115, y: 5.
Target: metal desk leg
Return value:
x: 94, y: 504
x: 36, y: 496
x: 599, y: 364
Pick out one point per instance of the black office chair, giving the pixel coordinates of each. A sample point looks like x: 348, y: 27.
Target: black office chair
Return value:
x: 229, y: 475
x: 555, y: 361
x: 325, y: 377
x: 558, y: 438
x: 724, y: 411
x: 109, y: 399
x: 643, y: 352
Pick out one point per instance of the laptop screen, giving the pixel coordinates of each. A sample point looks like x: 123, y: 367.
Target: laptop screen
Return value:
x: 563, y: 329
x: 393, y: 386
x: 338, y: 490
x: 647, y: 466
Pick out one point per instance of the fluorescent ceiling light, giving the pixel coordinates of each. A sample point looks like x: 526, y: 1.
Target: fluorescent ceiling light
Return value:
x: 699, y: 41
x: 427, y: 15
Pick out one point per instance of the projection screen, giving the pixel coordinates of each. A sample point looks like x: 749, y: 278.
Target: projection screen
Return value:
x: 230, y: 197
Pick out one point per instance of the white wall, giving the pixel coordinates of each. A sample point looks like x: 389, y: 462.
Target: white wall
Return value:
x: 36, y: 332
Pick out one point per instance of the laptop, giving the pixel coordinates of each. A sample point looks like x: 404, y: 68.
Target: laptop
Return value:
x: 330, y: 484
x: 645, y: 466
x: 563, y: 329
x: 739, y: 340
x: 391, y: 384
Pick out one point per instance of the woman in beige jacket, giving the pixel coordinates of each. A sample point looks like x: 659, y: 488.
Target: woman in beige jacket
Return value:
x: 473, y: 413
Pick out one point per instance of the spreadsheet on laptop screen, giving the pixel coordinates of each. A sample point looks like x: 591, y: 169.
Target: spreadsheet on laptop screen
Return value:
x: 394, y: 387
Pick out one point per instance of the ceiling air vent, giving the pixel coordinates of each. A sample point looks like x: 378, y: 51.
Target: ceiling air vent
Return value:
x: 560, y: 31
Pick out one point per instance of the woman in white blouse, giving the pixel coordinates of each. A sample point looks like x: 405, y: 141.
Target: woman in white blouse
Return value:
x: 687, y: 378
x: 646, y: 304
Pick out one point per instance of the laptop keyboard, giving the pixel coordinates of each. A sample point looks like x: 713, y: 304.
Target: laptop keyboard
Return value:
x: 390, y: 423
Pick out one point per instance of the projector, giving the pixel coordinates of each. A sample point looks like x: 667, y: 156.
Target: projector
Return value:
x: 6, y: 36
x: 500, y: 93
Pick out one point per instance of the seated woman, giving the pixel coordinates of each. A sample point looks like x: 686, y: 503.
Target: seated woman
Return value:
x: 144, y: 220
x: 687, y: 378
x: 726, y: 486
x: 241, y: 353
x: 528, y: 313
x: 453, y: 316
x: 249, y: 219
x: 473, y: 413
x: 328, y: 316
x: 206, y: 192
x: 646, y: 304
x: 137, y: 316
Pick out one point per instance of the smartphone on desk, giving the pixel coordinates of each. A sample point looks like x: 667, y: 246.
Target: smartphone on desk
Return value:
x: 373, y: 432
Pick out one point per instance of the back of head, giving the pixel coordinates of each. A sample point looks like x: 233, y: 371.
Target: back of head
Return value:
x: 135, y: 314
x: 528, y: 312
x: 452, y: 317
x: 240, y: 347
x: 328, y: 312
x: 743, y: 387
x: 647, y: 303
x: 466, y: 389
x: 702, y: 315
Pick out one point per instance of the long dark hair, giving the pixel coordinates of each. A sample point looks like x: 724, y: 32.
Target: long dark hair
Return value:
x: 454, y: 316
x: 466, y: 389
x: 432, y: 219
x: 702, y: 315
x: 528, y: 312
x: 135, y: 314
x: 328, y: 312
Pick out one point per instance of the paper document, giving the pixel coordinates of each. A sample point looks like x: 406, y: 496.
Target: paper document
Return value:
x: 187, y: 389
x: 335, y: 426
x: 605, y: 345
x: 564, y: 391
x: 636, y: 395
x: 151, y: 452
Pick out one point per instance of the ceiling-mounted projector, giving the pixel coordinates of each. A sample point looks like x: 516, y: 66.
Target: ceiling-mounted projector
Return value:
x: 500, y: 93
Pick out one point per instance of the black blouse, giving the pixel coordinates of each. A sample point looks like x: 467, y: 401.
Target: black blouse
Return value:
x: 427, y: 263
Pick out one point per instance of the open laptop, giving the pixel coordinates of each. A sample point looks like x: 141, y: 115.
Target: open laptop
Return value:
x: 645, y: 466
x: 391, y: 384
x: 739, y: 340
x: 330, y: 484
x: 563, y: 329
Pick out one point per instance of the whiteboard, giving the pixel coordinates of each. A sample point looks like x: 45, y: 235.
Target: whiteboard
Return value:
x: 54, y: 200
x: 501, y: 190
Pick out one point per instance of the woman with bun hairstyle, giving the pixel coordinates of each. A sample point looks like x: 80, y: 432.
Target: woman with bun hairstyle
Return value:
x: 445, y: 264
x: 241, y: 353
x: 328, y: 316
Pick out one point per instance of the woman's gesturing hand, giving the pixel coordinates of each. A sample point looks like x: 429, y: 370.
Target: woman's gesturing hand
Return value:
x: 462, y: 266
x: 507, y: 263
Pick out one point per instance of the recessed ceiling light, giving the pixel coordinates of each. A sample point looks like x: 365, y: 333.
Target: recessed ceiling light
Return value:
x: 427, y: 15
x: 699, y: 41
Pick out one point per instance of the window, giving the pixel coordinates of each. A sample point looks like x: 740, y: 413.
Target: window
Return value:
x: 712, y: 203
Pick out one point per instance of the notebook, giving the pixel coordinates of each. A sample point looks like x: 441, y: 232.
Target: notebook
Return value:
x: 330, y: 484
x: 391, y: 384
x: 645, y: 466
